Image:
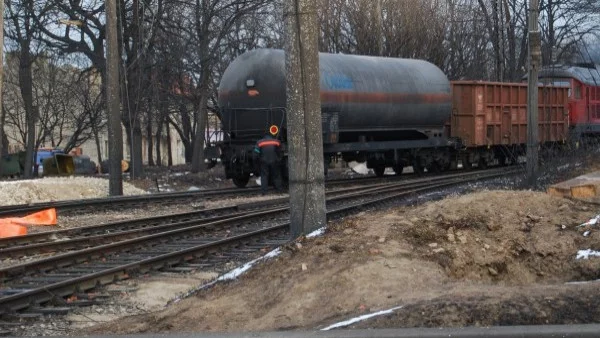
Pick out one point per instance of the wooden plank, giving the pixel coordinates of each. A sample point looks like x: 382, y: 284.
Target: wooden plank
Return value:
x: 584, y: 191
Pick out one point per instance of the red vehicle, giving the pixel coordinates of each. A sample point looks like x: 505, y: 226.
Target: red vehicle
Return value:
x: 584, y: 95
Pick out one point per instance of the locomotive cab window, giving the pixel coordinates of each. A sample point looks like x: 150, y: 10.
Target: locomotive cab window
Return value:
x: 577, y: 90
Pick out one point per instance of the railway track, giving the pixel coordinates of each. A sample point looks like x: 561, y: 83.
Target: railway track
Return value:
x: 95, y: 205
x: 82, y: 237
x: 34, y: 286
x: 124, y: 202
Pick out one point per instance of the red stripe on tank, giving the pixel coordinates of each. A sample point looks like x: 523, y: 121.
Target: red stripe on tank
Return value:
x: 355, y: 97
x: 268, y: 143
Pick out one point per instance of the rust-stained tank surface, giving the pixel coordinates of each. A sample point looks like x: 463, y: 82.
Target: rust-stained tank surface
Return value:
x: 368, y: 93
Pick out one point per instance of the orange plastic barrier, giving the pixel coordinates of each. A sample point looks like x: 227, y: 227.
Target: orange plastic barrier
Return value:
x: 14, y: 226
x: 8, y: 229
x: 44, y: 217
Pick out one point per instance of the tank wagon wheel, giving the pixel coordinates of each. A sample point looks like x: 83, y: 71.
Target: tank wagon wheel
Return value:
x: 379, y: 171
x: 502, y: 160
x: 448, y: 166
x: 398, y: 169
x: 418, y: 168
x: 482, y: 164
x: 466, y: 165
x: 434, y: 167
x: 241, y: 181
x: 211, y: 164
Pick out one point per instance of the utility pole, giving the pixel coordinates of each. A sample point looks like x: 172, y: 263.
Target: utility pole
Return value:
x: 379, y: 23
x: 113, y: 106
x: 532, y: 92
x: 2, y: 117
x: 304, y: 129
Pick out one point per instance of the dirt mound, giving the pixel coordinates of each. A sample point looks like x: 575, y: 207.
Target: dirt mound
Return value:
x: 513, y: 237
x: 533, y: 306
x: 495, y: 244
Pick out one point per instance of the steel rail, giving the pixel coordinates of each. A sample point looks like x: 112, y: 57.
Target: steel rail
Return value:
x: 110, y: 203
x: 87, y: 231
x: 123, y: 202
x: 62, y: 260
x: 63, y: 288
x: 101, y: 234
x: 164, y: 231
x: 41, y: 237
x: 12, y: 246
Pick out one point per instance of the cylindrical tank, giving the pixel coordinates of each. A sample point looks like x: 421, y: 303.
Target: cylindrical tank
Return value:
x: 368, y: 93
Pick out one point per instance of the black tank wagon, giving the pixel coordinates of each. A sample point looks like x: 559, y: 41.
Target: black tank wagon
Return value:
x: 388, y: 112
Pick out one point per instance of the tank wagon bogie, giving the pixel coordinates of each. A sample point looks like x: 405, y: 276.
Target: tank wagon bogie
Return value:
x: 386, y: 112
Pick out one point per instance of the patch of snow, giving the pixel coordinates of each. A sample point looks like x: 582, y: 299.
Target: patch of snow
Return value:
x: 361, y: 318
x: 586, y: 254
x: 194, y: 189
x: 258, y: 180
x: 584, y: 282
x: 587, y: 233
x: 359, y: 168
x: 592, y: 221
x: 316, y: 233
x: 233, y: 274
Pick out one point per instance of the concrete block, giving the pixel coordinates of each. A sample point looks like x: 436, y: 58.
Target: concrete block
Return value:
x: 584, y: 186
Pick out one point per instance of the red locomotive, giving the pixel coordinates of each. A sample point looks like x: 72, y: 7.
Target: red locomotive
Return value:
x: 584, y: 95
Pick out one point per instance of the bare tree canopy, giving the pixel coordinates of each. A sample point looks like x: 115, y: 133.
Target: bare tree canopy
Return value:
x: 174, y: 52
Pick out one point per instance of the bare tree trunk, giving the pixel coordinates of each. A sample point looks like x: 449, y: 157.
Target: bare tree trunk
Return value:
x: 26, y: 86
x: 136, y: 159
x: 159, y: 128
x: 492, y: 28
x: 134, y: 143
x: 198, y: 155
x: 548, y: 57
x: 150, y: 144
x: 163, y: 121
x: 98, y: 145
x: 131, y: 102
x: 3, y: 138
x: 496, y: 40
x: 169, y: 150
x: 378, y: 28
x: 186, y: 132
x: 512, y: 43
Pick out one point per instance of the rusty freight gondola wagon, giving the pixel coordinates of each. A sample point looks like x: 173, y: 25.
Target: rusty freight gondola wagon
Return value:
x: 490, y: 119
